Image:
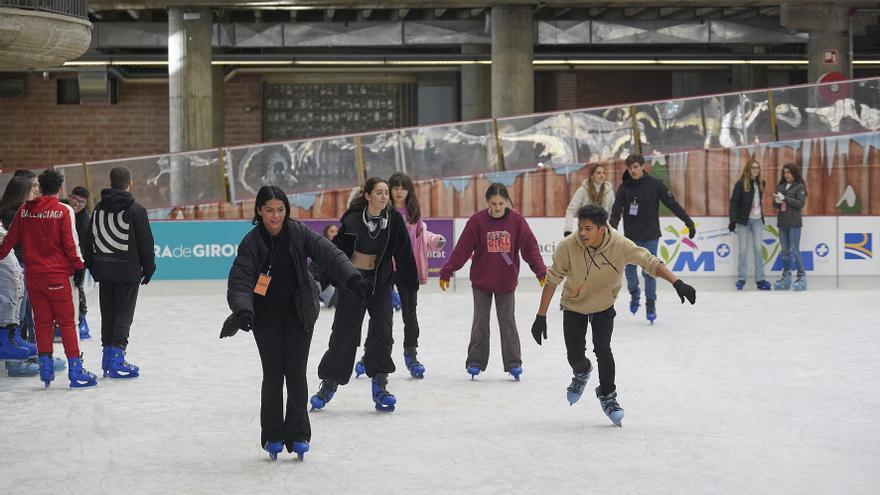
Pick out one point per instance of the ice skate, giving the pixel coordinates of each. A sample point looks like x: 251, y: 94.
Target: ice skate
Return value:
x: 11, y: 351
x: 47, y: 369
x: 17, y: 369
x: 359, y: 368
x: 576, y: 389
x: 800, y: 283
x: 650, y: 310
x: 119, y: 367
x: 740, y: 284
x: 410, y: 359
x: 83, y: 328
x: 384, y: 400
x: 325, y: 393
x: 763, y: 285
x: 634, y: 301
x: 300, y: 449
x: 610, y: 406
x: 273, y: 448
x: 783, y: 283
x: 473, y: 370
x: 516, y: 371
x: 79, y: 377
x: 16, y: 338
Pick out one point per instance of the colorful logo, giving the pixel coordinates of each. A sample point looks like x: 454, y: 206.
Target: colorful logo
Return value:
x: 680, y: 260
x: 857, y: 246
x: 723, y: 250
x: 822, y: 250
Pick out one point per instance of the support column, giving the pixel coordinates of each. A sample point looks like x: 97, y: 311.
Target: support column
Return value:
x: 513, y: 43
x: 218, y: 96
x: 828, y: 47
x: 476, y: 86
x: 190, y: 79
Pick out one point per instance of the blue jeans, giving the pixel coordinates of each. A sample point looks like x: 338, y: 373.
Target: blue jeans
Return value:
x: 756, y: 229
x: 632, y: 278
x: 790, y: 240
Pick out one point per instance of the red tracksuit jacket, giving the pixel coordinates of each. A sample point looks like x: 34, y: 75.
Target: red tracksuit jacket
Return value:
x: 46, y: 229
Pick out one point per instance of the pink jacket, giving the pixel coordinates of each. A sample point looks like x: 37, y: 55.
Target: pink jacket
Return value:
x: 422, y: 241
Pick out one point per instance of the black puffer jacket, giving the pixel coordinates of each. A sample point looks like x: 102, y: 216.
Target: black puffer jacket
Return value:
x: 648, y: 192
x: 741, y: 202
x: 303, y: 243
x: 395, y: 240
x: 118, y: 244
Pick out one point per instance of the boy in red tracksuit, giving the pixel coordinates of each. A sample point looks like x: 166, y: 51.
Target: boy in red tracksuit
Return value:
x: 46, y: 230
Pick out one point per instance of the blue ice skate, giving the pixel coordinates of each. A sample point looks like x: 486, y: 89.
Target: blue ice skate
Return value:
x: 16, y: 337
x: 273, y: 448
x: 576, y: 389
x: 610, y: 406
x: 47, y: 369
x: 83, y: 328
x: 22, y: 368
x: 325, y: 393
x: 800, y: 283
x: 473, y: 370
x: 105, y: 360
x: 410, y: 359
x: 300, y: 449
x: 515, y: 372
x: 119, y: 367
x: 763, y: 285
x: 79, y: 377
x: 384, y: 400
x: 650, y: 310
x: 634, y: 301
x: 783, y: 283
x: 740, y: 284
x: 359, y: 369
x: 395, y: 300
x: 10, y: 350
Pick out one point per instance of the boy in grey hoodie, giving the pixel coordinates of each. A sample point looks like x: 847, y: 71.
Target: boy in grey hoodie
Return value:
x: 589, y: 263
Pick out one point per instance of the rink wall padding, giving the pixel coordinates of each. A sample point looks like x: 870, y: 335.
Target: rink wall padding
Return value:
x: 830, y: 246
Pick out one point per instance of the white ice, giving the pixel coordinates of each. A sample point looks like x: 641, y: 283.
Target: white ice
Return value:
x: 743, y: 393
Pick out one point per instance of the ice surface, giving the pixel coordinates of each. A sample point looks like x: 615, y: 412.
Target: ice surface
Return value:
x: 746, y: 392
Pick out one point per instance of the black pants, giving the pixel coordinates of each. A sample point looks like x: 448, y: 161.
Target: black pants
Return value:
x: 574, y: 325
x: 338, y: 361
x: 117, y: 300
x: 409, y: 299
x: 284, y: 353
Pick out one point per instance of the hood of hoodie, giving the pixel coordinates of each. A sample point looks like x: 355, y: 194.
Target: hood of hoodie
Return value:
x: 629, y: 179
x: 114, y: 200
x: 41, y: 203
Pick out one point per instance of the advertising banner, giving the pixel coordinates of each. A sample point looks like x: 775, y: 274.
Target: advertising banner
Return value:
x: 193, y: 249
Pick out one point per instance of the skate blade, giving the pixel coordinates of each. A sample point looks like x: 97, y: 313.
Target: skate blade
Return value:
x: 384, y: 409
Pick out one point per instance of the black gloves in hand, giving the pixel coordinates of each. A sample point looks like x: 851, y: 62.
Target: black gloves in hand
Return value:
x: 360, y: 286
x: 147, y: 275
x: 539, y: 328
x: 244, y: 320
x: 78, y: 277
x: 566, y: 233
x: 732, y: 227
x: 685, y: 291
x: 692, y: 231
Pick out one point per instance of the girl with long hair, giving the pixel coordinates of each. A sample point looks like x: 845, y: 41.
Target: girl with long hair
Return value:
x: 595, y: 190
x: 372, y: 234
x: 789, y: 200
x: 493, y: 239
x: 271, y: 292
x: 747, y: 219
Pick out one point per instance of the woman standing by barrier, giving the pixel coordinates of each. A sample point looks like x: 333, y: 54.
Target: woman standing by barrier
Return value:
x: 747, y: 219
x: 595, y: 190
x: 789, y: 200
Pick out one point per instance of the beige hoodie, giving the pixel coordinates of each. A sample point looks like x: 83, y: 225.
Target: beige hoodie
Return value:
x: 593, y: 277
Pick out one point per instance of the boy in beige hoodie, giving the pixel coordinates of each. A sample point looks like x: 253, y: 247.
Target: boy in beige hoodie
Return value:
x: 590, y: 262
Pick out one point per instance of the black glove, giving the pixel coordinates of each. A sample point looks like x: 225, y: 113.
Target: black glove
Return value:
x: 230, y: 326
x: 78, y: 277
x: 147, y: 275
x: 245, y: 320
x: 685, y: 291
x: 732, y: 227
x: 360, y: 286
x: 539, y: 328
x: 566, y: 233
x: 692, y: 231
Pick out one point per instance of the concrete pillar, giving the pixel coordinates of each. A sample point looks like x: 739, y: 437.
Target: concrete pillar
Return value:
x: 476, y: 86
x: 513, y: 43
x: 190, y: 79
x: 218, y: 95
x: 828, y: 47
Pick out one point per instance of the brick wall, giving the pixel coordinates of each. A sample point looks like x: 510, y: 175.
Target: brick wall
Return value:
x: 593, y: 88
x: 36, y: 132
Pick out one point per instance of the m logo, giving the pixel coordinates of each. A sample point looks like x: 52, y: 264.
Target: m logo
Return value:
x: 857, y: 246
x: 110, y: 232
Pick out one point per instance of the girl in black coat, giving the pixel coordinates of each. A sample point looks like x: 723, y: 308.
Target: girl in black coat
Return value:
x: 371, y: 235
x: 747, y: 219
x: 271, y: 291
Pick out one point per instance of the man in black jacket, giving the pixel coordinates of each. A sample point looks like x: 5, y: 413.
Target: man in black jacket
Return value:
x: 118, y: 250
x: 638, y: 199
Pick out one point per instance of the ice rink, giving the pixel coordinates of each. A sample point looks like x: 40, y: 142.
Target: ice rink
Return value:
x: 743, y: 393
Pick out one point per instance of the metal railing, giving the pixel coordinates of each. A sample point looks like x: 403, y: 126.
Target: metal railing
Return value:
x: 72, y: 8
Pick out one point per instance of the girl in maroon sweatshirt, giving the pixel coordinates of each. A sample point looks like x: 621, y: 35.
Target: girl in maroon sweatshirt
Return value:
x: 494, y: 236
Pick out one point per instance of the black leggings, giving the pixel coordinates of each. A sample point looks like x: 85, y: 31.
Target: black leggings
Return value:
x: 574, y: 325
x: 284, y: 352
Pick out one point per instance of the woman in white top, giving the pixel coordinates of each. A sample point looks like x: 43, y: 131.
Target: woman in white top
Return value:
x: 595, y: 190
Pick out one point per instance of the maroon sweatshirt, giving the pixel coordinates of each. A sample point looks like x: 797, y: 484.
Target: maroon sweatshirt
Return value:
x: 495, y: 244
